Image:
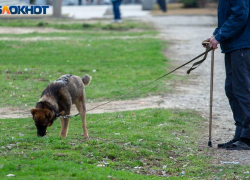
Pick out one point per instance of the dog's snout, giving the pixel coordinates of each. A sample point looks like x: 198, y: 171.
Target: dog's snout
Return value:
x: 41, y: 134
x: 41, y: 130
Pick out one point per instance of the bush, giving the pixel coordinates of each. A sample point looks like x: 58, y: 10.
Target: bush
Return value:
x: 32, y: 1
x: 194, y: 3
x: 190, y: 3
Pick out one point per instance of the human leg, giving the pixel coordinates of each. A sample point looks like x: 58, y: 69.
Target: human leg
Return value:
x: 118, y: 9
x: 238, y: 113
x: 114, y: 3
x: 241, y: 89
x: 163, y: 5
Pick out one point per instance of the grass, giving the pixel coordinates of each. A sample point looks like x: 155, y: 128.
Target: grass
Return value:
x: 79, y: 28
x: 67, y: 24
x: 145, y: 144
x: 116, y: 65
x: 85, y: 34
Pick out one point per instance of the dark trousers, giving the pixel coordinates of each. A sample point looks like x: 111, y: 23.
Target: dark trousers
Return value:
x: 237, y: 87
x: 116, y: 9
x: 162, y: 4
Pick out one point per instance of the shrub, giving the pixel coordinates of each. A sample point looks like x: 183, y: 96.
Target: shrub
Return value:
x: 194, y: 3
x: 32, y: 1
x: 190, y: 3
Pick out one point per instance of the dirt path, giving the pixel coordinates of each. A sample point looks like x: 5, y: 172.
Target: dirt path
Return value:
x: 184, y: 34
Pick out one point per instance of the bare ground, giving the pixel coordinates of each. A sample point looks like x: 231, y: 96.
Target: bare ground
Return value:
x: 184, y: 34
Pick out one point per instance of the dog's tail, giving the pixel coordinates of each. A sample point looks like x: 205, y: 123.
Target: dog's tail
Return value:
x: 86, y: 79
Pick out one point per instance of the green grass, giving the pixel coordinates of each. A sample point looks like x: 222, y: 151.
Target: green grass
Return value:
x: 145, y: 144
x: 79, y: 28
x: 67, y: 24
x: 85, y: 34
x: 116, y: 65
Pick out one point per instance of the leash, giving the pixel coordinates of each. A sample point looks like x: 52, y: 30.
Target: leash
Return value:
x: 194, y: 66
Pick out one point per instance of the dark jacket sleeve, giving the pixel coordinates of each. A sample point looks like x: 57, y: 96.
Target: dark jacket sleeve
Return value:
x: 216, y: 31
x: 236, y: 21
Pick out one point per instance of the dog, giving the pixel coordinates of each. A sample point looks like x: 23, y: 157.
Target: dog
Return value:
x: 56, y: 101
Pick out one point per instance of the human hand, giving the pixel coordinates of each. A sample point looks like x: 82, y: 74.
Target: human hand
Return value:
x: 206, y: 42
x: 213, y: 43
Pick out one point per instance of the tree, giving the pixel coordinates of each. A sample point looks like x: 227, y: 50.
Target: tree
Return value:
x: 57, y: 8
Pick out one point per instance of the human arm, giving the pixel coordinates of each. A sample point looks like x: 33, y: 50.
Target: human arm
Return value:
x: 235, y: 22
x: 216, y: 31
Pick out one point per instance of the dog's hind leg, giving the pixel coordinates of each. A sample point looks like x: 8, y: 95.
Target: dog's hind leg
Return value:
x: 81, y: 107
x: 65, y: 125
x: 61, y: 121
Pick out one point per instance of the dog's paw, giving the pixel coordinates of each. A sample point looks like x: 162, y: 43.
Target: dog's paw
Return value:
x: 63, y: 135
x: 86, y: 136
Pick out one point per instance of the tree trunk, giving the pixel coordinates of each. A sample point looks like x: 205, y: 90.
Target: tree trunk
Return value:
x: 57, y: 8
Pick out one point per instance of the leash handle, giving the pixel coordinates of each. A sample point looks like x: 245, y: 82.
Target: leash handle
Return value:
x: 205, y: 43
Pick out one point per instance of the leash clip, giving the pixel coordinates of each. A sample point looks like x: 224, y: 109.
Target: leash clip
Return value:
x: 69, y: 116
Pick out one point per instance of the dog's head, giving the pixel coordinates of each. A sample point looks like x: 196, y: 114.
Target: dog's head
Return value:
x: 43, y: 118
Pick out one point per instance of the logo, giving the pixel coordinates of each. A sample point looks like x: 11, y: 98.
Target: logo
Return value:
x: 23, y: 10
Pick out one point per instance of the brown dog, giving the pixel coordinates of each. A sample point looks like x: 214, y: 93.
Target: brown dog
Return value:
x: 57, y: 99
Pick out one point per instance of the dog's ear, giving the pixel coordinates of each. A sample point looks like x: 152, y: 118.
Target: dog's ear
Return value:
x: 48, y: 115
x: 33, y: 111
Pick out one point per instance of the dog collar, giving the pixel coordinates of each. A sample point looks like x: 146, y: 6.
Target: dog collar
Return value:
x: 56, y: 115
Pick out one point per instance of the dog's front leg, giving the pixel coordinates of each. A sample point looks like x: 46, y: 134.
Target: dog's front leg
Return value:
x: 65, y: 125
